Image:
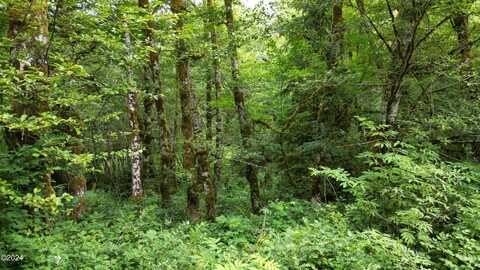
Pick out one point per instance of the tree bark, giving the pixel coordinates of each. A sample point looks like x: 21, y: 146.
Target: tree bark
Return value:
x: 153, y: 69
x: 147, y: 136
x: 216, y: 80
x: 460, y: 25
x: 132, y: 106
x: 402, y: 52
x: 361, y: 7
x: 209, y: 109
x: 239, y: 96
x: 338, y: 31
x: 184, y: 86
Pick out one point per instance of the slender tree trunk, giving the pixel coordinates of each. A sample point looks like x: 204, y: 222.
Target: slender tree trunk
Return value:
x: 239, y: 96
x: 209, y: 109
x: 361, y: 7
x: 215, y: 79
x: 335, y: 52
x: 147, y: 136
x: 184, y: 86
x: 460, y: 25
x: 167, y: 156
x: 405, y: 27
x: 337, y: 34
x: 218, y: 136
x: 132, y: 106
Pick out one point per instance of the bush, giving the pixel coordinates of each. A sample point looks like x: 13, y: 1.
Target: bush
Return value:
x: 409, y: 193
x: 117, y: 235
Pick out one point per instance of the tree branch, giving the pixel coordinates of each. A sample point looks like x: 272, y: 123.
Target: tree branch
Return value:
x: 427, y: 35
x: 364, y: 14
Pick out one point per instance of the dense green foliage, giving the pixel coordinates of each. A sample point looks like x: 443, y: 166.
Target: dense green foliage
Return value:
x: 293, y: 235
x: 297, y: 134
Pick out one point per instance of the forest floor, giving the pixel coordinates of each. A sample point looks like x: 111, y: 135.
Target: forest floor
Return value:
x: 118, y: 234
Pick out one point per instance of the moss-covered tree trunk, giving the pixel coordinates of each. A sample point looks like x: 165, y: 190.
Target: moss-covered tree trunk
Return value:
x: 166, y: 174
x: 184, y: 86
x: 217, y: 82
x: 246, y: 128
x: 460, y: 25
x: 336, y: 45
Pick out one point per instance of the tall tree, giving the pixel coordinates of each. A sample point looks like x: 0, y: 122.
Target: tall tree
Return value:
x: 153, y: 78
x: 184, y: 86
x: 405, y: 21
x: 217, y: 82
x: 246, y: 128
x: 134, y: 123
x: 333, y: 56
x: 28, y: 29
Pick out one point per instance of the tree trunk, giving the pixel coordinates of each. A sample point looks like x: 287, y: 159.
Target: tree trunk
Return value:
x: 147, y: 136
x: 402, y: 52
x: 361, y: 7
x: 132, y: 106
x: 28, y: 29
x: 204, y: 178
x: 460, y: 25
x: 215, y: 76
x: 167, y: 156
x: 239, y: 96
x: 209, y: 109
x: 336, y: 48
x: 184, y: 86
x: 77, y: 186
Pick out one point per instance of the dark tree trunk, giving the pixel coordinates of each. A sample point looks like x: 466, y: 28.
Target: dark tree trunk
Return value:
x: 209, y: 109
x: 338, y: 30
x: 361, y: 7
x: 460, y: 25
x: 217, y: 82
x: 184, y: 85
x: 402, y: 52
x: 166, y: 174
x: 147, y: 136
x: 244, y: 121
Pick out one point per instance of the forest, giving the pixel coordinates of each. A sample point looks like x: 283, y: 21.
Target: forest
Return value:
x: 240, y: 134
